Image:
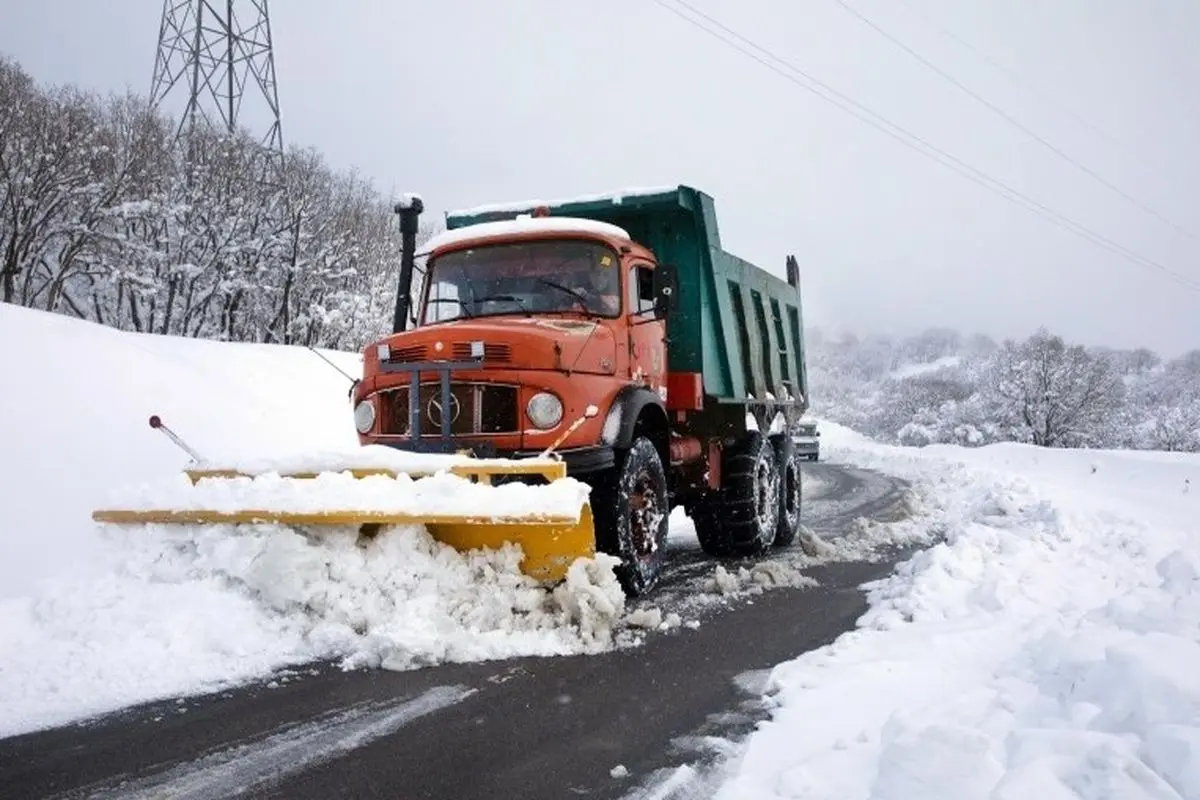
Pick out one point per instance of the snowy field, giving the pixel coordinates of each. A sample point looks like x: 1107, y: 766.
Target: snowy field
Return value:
x: 1049, y: 647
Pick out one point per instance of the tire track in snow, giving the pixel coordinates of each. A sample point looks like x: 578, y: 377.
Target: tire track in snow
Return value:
x: 279, y: 755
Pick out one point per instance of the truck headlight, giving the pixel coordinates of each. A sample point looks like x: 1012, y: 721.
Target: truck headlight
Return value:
x: 364, y: 416
x: 544, y: 410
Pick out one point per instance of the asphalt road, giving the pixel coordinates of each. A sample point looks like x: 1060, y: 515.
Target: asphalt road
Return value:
x: 529, y: 728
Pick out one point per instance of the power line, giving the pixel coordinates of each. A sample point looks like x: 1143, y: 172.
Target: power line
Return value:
x: 911, y: 140
x: 1019, y: 80
x: 1009, y: 118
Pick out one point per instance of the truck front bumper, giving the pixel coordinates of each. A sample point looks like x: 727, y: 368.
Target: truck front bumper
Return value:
x: 579, y: 460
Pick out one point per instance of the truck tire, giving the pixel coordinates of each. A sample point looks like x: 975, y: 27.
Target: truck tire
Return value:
x: 629, y: 505
x: 790, y: 493
x: 742, y: 517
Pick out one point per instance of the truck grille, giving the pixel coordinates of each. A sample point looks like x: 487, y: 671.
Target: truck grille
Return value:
x: 493, y: 353
x: 407, y: 355
x: 476, y: 408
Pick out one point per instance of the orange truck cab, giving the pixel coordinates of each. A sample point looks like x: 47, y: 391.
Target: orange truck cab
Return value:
x: 615, y: 332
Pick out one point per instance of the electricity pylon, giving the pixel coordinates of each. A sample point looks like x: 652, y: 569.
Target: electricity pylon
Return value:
x: 218, y: 50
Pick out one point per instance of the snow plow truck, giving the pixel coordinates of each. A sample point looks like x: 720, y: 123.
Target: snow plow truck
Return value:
x: 605, y: 342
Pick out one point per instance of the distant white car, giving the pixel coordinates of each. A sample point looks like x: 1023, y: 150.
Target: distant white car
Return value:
x: 806, y: 440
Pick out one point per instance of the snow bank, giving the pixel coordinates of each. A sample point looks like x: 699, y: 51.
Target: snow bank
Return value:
x: 352, y: 456
x: 93, y: 618
x: 1046, y: 648
x: 74, y: 423
x: 182, y: 610
x: 440, y: 494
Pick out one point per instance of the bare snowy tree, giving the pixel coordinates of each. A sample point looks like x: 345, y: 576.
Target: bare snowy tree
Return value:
x: 104, y: 215
x: 1053, y: 394
x: 918, y: 396
x: 1151, y: 405
x: 1172, y: 428
x: 930, y: 345
x: 50, y: 162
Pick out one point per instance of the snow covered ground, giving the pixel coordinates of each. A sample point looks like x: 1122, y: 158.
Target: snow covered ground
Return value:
x: 73, y: 422
x: 1049, y: 647
x: 94, y: 618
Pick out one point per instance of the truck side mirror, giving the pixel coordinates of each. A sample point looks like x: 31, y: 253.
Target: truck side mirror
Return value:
x: 665, y: 287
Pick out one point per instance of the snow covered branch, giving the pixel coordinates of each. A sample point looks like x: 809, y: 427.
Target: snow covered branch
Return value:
x: 105, y: 216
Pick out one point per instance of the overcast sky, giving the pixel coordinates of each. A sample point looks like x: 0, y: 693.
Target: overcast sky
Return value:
x: 473, y: 101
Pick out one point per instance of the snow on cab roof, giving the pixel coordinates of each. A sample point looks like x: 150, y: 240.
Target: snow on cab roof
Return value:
x: 524, y: 224
x: 615, y: 198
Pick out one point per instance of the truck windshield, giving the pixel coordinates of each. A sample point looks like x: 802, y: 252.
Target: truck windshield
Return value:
x: 551, y: 276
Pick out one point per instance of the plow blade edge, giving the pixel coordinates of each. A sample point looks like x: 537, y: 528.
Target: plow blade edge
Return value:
x: 550, y: 543
x: 551, y: 540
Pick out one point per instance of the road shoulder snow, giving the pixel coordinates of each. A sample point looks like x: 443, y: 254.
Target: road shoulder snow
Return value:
x: 1046, y: 648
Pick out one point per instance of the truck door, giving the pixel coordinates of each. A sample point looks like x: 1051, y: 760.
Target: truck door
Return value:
x: 647, y: 345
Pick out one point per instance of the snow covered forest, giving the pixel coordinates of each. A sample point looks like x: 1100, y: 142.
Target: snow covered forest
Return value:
x: 104, y: 216
x: 941, y: 387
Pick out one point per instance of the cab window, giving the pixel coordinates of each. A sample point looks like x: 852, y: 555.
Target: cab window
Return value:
x: 568, y: 276
x: 641, y: 289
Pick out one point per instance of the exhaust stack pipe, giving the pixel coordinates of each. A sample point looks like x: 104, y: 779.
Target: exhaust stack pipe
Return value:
x: 409, y: 209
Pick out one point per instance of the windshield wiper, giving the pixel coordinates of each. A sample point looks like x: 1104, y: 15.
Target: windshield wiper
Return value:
x: 461, y: 304
x: 510, y: 298
x: 582, y: 300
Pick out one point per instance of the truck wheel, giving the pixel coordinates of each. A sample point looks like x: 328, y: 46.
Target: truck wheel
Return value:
x: 742, y: 518
x: 629, y: 505
x: 790, y: 493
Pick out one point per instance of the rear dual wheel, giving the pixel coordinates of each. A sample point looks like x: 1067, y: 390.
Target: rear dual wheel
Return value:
x: 758, y: 504
x: 790, y: 493
x: 741, y: 518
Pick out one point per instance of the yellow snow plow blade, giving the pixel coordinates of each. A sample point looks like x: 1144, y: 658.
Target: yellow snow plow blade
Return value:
x: 550, y: 546
x: 550, y: 541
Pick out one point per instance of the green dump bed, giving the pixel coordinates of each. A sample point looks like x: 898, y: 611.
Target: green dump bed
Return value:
x: 738, y: 325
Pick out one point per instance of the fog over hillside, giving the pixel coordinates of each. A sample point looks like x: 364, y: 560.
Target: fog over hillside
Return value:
x: 944, y: 386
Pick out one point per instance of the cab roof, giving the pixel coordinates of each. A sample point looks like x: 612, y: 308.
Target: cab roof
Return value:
x: 527, y: 226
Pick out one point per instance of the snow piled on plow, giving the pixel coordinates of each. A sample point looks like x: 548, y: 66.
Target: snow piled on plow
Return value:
x: 192, y: 609
x: 350, y: 457
x: 440, y: 494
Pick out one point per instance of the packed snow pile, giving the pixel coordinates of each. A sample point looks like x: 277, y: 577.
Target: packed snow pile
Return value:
x: 77, y: 430
x: 352, y: 456
x: 1046, y: 647
x: 441, y: 493
x: 93, y: 618
x: 185, y: 609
